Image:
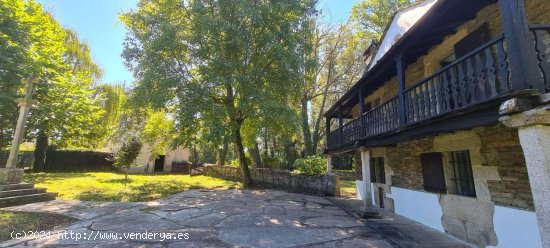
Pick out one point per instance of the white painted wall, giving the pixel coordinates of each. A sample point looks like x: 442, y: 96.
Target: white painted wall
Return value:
x: 516, y: 228
x: 400, y: 24
x: 360, y: 187
x: 145, y: 165
x: 419, y: 206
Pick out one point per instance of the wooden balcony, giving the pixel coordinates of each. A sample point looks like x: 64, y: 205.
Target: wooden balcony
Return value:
x: 476, y: 79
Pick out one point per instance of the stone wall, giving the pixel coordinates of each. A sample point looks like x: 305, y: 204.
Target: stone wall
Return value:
x: 501, y: 148
x: 404, y: 160
x: 292, y: 182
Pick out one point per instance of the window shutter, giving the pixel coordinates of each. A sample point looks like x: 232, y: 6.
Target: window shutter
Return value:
x: 432, y: 171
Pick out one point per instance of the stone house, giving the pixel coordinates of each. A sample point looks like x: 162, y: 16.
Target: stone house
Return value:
x: 449, y: 123
x: 163, y: 163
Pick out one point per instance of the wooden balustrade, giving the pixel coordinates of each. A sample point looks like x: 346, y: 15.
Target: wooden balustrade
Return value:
x: 542, y: 45
x: 481, y: 76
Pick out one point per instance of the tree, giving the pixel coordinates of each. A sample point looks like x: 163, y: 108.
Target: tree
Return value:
x: 224, y: 64
x: 332, y: 63
x: 33, y: 44
x: 157, y: 133
x: 127, y: 154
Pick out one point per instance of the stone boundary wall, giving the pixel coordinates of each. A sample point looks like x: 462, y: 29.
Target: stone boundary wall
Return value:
x: 292, y: 182
x: 348, y: 175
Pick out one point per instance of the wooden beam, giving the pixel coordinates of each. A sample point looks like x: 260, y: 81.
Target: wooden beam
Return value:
x: 521, y: 50
x: 401, y: 67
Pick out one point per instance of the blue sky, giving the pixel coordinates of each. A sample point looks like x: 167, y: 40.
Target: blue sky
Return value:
x: 96, y: 23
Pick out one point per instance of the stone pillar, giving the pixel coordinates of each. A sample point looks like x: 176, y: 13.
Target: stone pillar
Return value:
x: 534, y: 133
x: 365, y: 168
x: 329, y: 165
x: 11, y: 174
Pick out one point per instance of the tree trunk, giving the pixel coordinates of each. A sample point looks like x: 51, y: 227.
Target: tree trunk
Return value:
x: 290, y: 153
x: 245, y: 171
x: 306, y: 132
x: 256, y: 158
x: 221, y: 154
x: 40, y: 151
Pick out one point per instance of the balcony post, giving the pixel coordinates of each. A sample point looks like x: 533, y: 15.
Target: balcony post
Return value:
x: 362, y: 109
x: 327, y: 124
x: 340, y: 125
x: 401, y: 67
x: 521, y: 49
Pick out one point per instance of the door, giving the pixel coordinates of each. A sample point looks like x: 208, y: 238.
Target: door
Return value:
x: 159, y: 164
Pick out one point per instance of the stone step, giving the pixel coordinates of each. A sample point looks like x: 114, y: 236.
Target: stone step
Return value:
x: 18, y: 192
x: 4, y: 187
x: 25, y: 199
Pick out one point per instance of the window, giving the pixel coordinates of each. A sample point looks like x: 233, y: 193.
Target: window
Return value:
x: 433, y: 173
x: 463, y: 175
x: 377, y: 173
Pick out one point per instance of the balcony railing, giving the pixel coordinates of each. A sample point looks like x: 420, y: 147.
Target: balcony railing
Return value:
x: 478, y: 77
x: 542, y: 45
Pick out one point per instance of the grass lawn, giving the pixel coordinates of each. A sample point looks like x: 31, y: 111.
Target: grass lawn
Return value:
x: 102, y: 186
x: 347, y: 188
x: 24, y: 222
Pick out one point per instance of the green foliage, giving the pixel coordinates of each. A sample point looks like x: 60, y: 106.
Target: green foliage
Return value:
x: 34, y: 45
x: 313, y: 165
x: 236, y: 163
x: 157, y: 133
x: 217, y: 65
x: 127, y: 154
x: 273, y: 162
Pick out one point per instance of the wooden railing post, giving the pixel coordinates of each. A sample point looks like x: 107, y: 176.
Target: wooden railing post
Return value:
x: 340, y: 126
x: 362, y: 108
x: 401, y: 67
x: 521, y: 50
x: 327, y: 124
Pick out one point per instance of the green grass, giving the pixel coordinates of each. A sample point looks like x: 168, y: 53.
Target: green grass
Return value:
x: 18, y: 222
x: 347, y: 187
x: 102, y: 186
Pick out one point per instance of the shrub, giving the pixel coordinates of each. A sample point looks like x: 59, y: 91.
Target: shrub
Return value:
x: 272, y: 162
x: 314, y: 165
x: 235, y: 163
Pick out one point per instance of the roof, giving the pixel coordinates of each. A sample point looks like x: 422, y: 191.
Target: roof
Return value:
x: 401, y: 21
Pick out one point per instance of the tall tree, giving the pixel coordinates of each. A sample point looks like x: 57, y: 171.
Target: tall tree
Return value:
x: 224, y: 64
x: 35, y: 45
x: 332, y: 63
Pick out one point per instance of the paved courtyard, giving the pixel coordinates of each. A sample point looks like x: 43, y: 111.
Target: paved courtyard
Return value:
x: 232, y: 218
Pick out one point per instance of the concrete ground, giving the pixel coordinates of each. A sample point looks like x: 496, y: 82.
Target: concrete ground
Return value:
x: 232, y: 218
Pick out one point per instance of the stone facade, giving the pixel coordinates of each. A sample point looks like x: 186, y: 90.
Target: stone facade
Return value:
x: 499, y: 173
x: 300, y: 183
x: 501, y: 148
x: 497, y: 160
